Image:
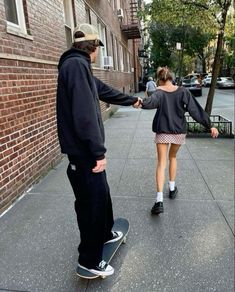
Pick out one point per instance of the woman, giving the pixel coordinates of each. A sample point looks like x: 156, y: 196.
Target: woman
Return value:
x: 150, y: 87
x: 170, y: 127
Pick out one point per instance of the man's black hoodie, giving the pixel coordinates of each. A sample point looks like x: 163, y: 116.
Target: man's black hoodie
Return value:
x: 79, y: 120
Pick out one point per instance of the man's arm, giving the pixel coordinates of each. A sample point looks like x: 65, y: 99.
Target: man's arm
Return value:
x: 111, y: 95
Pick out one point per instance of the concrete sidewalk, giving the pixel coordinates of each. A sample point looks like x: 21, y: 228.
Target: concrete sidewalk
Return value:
x: 189, y: 248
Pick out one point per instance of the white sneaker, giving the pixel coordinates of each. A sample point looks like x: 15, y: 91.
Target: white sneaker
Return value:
x: 116, y: 236
x: 103, y: 269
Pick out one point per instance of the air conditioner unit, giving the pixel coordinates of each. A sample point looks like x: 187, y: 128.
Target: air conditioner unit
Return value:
x: 108, y: 61
x: 120, y: 14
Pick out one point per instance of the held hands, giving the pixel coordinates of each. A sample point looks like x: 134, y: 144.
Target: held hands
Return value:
x: 214, y: 133
x: 100, y: 165
x: 138, y: 104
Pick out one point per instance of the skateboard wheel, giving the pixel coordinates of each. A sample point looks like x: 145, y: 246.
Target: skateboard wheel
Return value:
x: 103, y: 277
x: 124, y: 240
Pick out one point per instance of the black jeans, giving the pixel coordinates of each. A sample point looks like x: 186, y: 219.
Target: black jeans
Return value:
x: 94, y: 211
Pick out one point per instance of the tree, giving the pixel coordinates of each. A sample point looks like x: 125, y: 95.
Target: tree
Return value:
x: 160, y: 34
x: 220, y: 15
x: 229, y: 45
x: 164, y: 36
x: 207, y: 15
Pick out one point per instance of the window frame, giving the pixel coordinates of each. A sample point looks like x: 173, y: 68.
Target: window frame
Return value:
x: 21, y: 26
x: 117, y: 54
x: 114, y: 52
x: 88, y: 14
x: 103, y: 37
x: 70, y: 24
x: 121, y: 58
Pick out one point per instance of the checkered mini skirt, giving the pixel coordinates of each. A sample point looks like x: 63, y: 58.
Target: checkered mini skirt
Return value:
x: 170, y: 138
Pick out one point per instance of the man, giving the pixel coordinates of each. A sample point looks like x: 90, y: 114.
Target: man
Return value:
x: 81, y: 137
x: 150, y: 87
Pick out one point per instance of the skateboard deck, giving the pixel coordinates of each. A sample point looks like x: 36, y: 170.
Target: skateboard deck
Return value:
x: 109, y: 249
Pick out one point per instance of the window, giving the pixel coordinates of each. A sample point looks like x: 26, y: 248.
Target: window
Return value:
x: 118, y: 4
x: 128, y: 62
x: 114, y: 5
x: 102, y: 50
x: 117, y: 54
x: 15, y: 15
x: 125, y: 59
x: 88, y: 15
x: 114, y: 51
x: 69, y: 21
x: 121, y: 58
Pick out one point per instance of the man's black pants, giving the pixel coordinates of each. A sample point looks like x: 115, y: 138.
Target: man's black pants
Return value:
x: 94, y: 211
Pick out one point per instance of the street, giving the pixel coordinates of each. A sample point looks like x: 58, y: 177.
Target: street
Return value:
x: 223, y: 103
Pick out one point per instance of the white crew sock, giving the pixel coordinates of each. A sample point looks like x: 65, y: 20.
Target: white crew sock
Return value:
x: 171, y: 185
x: 159, y: 197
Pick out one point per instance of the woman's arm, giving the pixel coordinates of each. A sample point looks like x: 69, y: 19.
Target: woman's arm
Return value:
x: 199, y: 115
x: 151, y: 102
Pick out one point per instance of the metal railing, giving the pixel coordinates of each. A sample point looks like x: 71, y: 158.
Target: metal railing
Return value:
x: 223, y: 125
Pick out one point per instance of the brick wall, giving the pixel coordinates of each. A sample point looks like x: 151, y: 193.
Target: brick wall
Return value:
x: 28, y: 143
x: 28, y: 80
x: 118, y: 80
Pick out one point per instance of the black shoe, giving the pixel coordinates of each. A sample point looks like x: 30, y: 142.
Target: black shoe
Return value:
x: 102, y: 269
x: 116, y: 235
x: 157, y: 208
x: 172, y: 194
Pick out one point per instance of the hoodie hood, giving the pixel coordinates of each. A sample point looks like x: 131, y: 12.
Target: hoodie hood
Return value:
x: 71, y: 53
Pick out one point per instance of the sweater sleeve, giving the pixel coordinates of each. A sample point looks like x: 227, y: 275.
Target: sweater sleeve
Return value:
x: 111, y: 95
x: 84, y: 113
x: 196, y: 111
x: 151, y: 102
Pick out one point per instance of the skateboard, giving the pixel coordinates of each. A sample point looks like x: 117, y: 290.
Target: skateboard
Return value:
x: 109, y: 249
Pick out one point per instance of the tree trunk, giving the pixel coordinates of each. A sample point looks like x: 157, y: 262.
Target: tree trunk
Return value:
x: 215, y: 73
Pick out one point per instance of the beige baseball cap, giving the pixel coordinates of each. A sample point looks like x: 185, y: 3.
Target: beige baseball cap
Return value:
x: 90, y: 32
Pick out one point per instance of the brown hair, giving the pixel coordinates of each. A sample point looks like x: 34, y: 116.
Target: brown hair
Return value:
x: 164, y: 74
x: 86, y: 46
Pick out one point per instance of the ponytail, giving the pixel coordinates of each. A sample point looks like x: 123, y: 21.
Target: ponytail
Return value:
x: 164, y: 74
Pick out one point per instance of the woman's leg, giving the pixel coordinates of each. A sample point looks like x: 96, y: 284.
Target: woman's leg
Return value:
x: 172, y: 170
x: 160, y: 178
x: 161, y: 165
x: 172, y: 161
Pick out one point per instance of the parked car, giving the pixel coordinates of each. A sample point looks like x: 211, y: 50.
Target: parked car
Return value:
x: 190, y: 76
x: 193, y: 86
x: 207, y: 81
x: 225, y: 82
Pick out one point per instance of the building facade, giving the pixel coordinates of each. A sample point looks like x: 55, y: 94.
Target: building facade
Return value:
x: 33, y: 35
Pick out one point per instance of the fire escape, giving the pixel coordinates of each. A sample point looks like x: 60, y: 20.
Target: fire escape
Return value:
x: 131, y: 28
